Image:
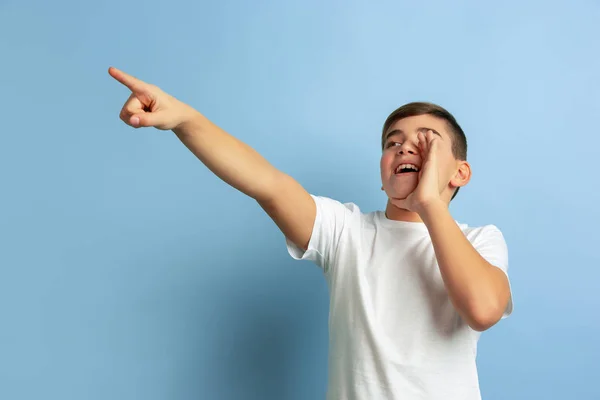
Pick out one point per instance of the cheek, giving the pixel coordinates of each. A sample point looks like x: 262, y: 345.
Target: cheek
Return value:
x: 386, y: 161
x: 448, y: 168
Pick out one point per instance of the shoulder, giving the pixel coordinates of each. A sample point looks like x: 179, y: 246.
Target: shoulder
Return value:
x: 328, y: 202
x: 482, y: 233
x: 330, y: 210
x: 489, y: 241
x: 330, y: 205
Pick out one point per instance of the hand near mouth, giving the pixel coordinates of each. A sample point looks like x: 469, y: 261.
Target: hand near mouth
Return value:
x: 428, y: 188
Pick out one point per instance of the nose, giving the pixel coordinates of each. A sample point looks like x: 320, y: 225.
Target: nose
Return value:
x: 407, y: 147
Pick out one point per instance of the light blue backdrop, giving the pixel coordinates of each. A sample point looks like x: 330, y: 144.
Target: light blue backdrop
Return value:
x: 128, y: 271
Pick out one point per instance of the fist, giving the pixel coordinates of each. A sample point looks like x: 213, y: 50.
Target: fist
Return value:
x: 149, y: 106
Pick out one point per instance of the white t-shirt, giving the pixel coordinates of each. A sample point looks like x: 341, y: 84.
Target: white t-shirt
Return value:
x: 393, y: 332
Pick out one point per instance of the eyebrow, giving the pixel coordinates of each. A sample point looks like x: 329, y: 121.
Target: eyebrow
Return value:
x: 401, y: 132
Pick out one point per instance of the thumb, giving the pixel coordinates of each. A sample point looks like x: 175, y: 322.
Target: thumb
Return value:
x: 146, y: 119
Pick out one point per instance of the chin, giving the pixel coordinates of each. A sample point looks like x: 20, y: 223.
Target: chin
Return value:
x: 400, y: 186
x: 399, y: 192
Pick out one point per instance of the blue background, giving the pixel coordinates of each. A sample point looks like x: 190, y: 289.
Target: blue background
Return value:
x: 129, y: 271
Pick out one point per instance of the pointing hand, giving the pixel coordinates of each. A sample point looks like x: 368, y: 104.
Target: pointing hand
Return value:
x: 149, y: 106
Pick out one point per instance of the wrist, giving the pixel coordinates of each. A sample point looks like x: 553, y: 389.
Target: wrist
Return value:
x: 190, y: 121
x: 430, y: 209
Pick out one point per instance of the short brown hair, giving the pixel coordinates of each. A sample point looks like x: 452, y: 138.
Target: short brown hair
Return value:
x: 459, y: 140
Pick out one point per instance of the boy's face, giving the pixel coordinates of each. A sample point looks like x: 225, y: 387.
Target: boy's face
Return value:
x: 401, y: 147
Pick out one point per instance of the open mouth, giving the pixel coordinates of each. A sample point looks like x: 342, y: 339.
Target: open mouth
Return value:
x: 406, y: 168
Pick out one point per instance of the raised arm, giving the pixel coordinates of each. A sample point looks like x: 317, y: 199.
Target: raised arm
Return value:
x: 289, y: 205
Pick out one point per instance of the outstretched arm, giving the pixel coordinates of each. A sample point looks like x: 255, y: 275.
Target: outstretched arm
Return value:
x: 289, y: 205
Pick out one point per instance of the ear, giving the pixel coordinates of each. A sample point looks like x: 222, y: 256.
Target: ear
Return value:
x: 462, y: 175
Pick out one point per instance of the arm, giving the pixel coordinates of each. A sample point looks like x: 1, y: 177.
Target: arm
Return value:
x: 478, y: 290
x: 290, y: 206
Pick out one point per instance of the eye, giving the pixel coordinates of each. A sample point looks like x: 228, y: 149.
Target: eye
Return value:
x: 392, y: 144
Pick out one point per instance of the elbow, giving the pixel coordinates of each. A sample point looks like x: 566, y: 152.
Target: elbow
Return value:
x: 487, y: 308
x: 482, y: 318
x: 481, y: 325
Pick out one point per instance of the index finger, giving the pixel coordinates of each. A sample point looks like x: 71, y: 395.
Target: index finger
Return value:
x: 431, y: 136
x: 132, y: 83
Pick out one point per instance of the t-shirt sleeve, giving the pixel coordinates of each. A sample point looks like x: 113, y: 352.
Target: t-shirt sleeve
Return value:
x: 330, y: 221
x: 492, y: 247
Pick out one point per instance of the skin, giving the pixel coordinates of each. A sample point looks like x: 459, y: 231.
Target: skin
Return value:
x: 410, y: 140
x: 478, y: 290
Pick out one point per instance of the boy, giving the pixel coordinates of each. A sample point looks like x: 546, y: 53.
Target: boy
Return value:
x: 410, y: 288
